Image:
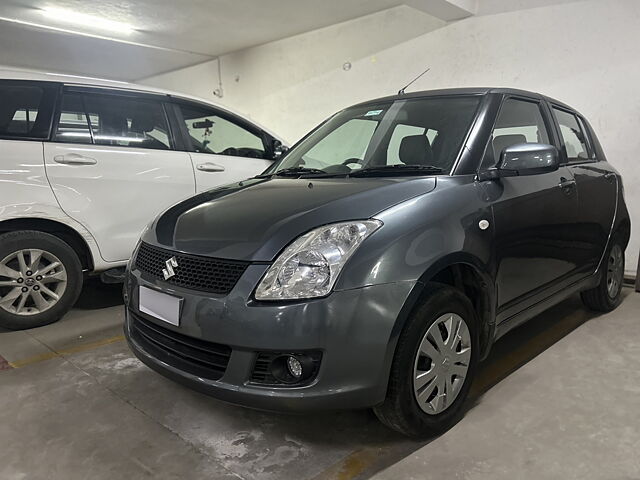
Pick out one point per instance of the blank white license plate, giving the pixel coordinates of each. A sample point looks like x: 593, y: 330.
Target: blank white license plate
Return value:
x: 160, y: 305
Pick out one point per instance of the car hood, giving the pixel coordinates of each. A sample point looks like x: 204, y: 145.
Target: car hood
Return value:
x: 255, y: 219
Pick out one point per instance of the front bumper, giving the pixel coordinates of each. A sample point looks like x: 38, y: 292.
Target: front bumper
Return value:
x: 353, y: 329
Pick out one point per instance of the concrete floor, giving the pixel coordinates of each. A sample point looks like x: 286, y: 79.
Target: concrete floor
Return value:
x: 558, y: 398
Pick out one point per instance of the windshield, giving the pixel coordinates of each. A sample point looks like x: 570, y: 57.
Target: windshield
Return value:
x: 415, y: 134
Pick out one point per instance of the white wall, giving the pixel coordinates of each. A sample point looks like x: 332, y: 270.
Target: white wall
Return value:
x: 584, y: 53
x: 256, y: 80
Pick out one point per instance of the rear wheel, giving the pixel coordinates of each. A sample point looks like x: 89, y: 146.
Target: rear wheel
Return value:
x: 434, y: 365
x: 608, y: 294
x: 40, y: 279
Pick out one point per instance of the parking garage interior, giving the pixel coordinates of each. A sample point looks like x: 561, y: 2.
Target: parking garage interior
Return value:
x: 555, y: 397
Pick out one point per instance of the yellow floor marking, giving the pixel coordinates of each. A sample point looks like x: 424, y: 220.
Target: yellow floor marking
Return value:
x: 351, y: 466
x: 355, y: 464
x: 67, y: 351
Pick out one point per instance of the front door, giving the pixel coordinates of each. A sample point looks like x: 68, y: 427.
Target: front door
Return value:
x: 533, y: 215
x: 533, y: 220
x: 112, y: 167
x: 224, y: 149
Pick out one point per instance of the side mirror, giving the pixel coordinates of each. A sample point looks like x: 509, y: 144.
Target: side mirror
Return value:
x: 529, y: 159
x: 525, y: 159
x: 278, y: 149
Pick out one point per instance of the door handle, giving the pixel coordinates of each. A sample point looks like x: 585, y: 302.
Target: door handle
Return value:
x: 566, y: 183
x: 210, y: 167
x: 610, y: 176
x: 74, y: 159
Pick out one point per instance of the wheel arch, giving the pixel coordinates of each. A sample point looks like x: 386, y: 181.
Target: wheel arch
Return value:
x: 469, y: 275
x: 624, y: 231
x: 64, y: 232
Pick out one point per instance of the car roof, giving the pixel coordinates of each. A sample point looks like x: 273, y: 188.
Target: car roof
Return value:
x: 79, y: 80
x: 464, y: 91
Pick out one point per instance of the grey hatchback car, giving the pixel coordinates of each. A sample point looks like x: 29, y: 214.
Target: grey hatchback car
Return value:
x: 376, y: 263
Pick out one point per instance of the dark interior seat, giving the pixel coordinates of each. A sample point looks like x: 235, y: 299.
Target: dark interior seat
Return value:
x: 112, y: 126
x: 416, y: 150
x: 140, y: 125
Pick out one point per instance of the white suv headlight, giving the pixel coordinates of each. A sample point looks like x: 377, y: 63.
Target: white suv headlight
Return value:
x: 309, y: 266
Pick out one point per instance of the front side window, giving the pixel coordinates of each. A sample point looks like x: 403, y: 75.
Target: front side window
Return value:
x: 574, y: 140
x: 519, y: 121
x: 114, y: 121
x: 423, y: 133
x: 211, y: 133
x: 19, y: 108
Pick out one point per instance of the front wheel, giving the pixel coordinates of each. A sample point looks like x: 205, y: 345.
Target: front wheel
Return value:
x: 434, y: 365
x: 40, y: 279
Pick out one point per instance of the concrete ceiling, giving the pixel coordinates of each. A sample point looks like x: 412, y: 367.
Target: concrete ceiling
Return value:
x: 170, y: 34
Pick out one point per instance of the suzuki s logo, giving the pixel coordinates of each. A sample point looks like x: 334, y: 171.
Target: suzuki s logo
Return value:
x: 168, y: 272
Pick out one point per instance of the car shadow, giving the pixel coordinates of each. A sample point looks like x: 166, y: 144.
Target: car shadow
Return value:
x: 96, y: 295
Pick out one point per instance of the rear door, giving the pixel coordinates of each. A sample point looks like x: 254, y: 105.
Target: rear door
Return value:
x: 113, y: 166
x: 223, y: 147
x: 26, y: 112
x: 597, y: 189
x: 533, y: 214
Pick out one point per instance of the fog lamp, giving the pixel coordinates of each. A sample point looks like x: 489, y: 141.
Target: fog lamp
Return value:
x: 295, y: 367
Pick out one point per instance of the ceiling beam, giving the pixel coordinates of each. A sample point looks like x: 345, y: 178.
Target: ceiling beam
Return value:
x: 447, y: 10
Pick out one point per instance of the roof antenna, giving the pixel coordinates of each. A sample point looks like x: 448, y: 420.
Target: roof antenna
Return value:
x: 401, y: 91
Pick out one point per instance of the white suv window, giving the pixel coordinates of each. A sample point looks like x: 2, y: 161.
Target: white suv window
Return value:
x: 113, y: 120
x: 19, y: 107
x: 211, y: 133
x: 73, y: 126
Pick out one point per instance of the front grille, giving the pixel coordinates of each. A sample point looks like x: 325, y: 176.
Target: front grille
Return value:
x: 192, y: 355
x: 194, y: 272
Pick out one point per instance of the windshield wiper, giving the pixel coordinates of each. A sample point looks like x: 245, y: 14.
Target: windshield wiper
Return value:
x: 293, y: 172
x: 399, y: 169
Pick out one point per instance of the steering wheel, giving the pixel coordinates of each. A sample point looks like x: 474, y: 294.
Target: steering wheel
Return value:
x: 351, y: 160
x: 230, y: 151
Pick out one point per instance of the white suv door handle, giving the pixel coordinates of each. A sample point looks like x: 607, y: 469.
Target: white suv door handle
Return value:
x: 74, y: 159
x: 210, y: 167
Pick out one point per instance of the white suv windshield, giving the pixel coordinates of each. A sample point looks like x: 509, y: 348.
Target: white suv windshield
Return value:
x: 421, y: 133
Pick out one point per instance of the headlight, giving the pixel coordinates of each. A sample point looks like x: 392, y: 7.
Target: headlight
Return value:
x: 309, y: 266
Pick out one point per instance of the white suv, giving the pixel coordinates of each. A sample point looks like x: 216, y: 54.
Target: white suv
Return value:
x: 85, y: 165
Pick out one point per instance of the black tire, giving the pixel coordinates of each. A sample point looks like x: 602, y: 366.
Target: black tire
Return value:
x: 600, y: 298
x: 400, y: 410
x: 26, y: 239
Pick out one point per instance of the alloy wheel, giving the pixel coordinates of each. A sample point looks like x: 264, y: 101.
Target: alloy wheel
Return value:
x: 615, y: 271
x: 442, y: 363
x: 31, y: 281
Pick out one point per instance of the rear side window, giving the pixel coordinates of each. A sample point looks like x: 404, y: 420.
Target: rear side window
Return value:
x: 211, y: 133
x: 113, y: 120
x: 519, y: 121
x: 574, y: 140
x: 25, y: 110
